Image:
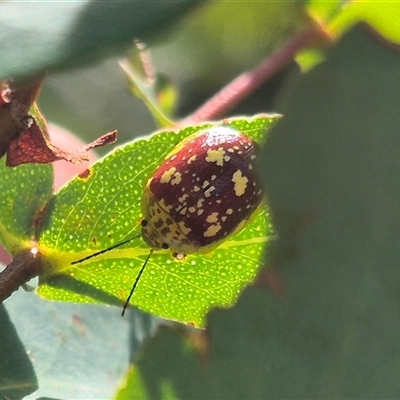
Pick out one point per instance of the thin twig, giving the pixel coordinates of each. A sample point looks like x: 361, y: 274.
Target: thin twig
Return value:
x: 248, y: 82
x: 25, y: 266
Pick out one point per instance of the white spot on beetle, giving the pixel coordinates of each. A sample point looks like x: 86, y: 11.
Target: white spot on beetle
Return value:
x: 192, y: 209
x: 208, y: 192
x: 183, y: 211
x: 200, y: 203
x: 185, y: 230
x: 183, y: 198
x: 196, y: 189
x: 164, y: 206
x: 167, y: 175
x: 200, y: 212
x: 213, y: 217
x: 212, y: 230
x: 240, y: 182
x: 191, y: 159
x: 229, y: 211
x: 177, y: 179
x: 218, y: 156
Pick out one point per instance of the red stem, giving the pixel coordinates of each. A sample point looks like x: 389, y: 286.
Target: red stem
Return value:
x: 248, y: 82
x: 25, y: 266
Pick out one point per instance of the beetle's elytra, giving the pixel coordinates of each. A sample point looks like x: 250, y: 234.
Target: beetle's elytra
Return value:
x: 202, y: 192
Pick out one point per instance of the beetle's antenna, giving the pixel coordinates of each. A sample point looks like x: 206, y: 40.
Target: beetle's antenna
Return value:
x: 136, y: 282
x: 105, y: 250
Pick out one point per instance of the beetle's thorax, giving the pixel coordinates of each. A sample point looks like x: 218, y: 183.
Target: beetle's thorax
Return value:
x: 160, y: 230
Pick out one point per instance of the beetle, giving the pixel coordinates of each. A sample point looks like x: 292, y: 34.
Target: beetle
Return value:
x: 204, y: 191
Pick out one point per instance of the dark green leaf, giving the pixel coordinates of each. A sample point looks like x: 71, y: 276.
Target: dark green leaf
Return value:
x: 39, y: 36
x: 17, y: 377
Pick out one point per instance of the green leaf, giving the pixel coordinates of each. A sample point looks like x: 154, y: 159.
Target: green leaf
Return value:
x: 338, y: 17
x: 132, y: 386
x: 308, y: 59
x: 158, y: 94
x: 17, y: 377
x: 24, y: 192
x: 332, y: 170
x: 46, y: 38
x: 103, y: 208
x: 325, y: 11
x: 382, y: 16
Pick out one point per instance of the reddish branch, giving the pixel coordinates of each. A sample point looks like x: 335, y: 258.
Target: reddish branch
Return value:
x: 248, y: 82
x: 23, y: 267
